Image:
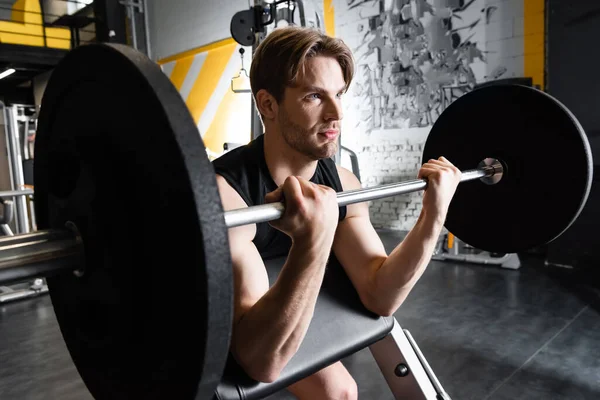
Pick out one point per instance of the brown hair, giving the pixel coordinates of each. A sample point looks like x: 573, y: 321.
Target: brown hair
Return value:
x: 281, y: 56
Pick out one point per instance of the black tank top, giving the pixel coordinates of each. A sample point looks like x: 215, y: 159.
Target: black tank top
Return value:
x: 246, y: 171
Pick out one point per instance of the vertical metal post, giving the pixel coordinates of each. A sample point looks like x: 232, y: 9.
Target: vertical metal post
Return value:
x: 455, y: 244
x: 23, y: 140
x: 256, y: 128
x: 300, y: 5
x: 16, y: 159
x: 147, y: 28
x: 131, y: 13
x: 7, y: 135
x: 32, y: 213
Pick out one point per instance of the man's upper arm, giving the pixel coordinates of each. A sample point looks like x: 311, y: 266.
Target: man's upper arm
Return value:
x: 250, y: 277
x: 357, y: 245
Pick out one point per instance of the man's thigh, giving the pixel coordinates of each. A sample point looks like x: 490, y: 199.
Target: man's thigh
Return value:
x: 332, y: 382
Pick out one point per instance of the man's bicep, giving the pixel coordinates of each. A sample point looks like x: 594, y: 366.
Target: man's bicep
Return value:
x: 357, y: 245
x: 250, y: 277
x: 359, y: 249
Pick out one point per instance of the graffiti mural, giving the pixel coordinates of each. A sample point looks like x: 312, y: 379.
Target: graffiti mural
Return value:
x: 414, y: 58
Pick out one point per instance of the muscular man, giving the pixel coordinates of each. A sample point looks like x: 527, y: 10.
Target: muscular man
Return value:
x: 298, y: 77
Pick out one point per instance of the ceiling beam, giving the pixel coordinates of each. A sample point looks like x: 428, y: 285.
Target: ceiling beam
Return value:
x: 19, y: 54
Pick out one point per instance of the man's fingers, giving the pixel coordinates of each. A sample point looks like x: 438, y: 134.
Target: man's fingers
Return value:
x: 442, y: 161
x: 305, y: 186
x: 425, y: 171
x: 274, y: 196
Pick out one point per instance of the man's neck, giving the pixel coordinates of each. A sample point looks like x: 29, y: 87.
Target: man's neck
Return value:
x: 283, y: 161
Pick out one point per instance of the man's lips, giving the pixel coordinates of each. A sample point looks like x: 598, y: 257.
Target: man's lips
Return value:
x: 330, y: 133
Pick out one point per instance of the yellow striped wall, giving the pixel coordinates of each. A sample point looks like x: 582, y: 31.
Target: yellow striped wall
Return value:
x: 203, y: 78
x: 534, y: 31
x: 26, y: 28
x: 329, y: 17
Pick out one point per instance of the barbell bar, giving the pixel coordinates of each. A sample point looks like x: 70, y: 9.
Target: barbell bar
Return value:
x: 273, y: 211
x: 152, y: 291
x: 54, y: 252
x: 49, y: 252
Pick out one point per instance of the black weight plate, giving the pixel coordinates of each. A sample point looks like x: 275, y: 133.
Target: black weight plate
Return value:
x: 547, y: 159
x: 118, y: 154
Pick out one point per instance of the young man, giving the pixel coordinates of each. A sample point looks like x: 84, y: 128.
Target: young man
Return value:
x: 298, y: 77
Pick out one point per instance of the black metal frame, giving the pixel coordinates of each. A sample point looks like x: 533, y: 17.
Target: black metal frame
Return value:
x: 110, y: 21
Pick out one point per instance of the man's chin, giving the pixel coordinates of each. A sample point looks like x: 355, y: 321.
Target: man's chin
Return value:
x: 327, y: 151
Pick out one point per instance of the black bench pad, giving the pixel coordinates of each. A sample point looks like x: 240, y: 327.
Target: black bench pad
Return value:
x: 341, y: 326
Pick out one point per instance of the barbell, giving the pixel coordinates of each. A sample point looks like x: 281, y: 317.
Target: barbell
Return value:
x: 133, y: 238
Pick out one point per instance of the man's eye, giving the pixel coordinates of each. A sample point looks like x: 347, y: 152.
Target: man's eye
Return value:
x: 314, y: 96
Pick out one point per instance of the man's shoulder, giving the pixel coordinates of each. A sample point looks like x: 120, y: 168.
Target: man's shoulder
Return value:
x: 348, y: 180
x: 231, y: 171
x: 236, y: 159
x: 231, y: 155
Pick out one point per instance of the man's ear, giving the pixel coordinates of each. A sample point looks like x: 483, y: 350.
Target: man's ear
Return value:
x: 266, y: 104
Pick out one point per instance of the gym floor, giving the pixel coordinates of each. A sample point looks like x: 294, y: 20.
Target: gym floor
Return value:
x: 488, y: 333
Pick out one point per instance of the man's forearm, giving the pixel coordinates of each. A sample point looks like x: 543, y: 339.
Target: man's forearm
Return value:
x: 394, y: 279
x: 270, y: 332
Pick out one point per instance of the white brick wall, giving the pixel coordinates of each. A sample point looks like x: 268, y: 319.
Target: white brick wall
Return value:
x: 505, y: 9
x: 389, y: 142
x: 390, y: 161
x: 499, y: 30
x: 502, y: 39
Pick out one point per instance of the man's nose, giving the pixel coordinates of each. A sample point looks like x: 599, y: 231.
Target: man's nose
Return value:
x: 334, y: 110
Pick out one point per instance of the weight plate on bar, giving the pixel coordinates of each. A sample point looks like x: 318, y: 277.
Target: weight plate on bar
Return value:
x: 119, y: 156
x: 547, y: 160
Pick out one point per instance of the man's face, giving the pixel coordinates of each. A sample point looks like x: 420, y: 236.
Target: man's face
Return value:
x: 309, y: 115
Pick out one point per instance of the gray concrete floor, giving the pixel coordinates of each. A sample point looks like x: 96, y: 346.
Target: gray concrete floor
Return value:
x: 488, y: 333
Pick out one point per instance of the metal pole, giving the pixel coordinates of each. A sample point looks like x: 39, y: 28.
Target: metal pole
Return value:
x: 45, y: 252
x: 8, y: 150
x: 147, y: 28
x: 47, y: 235
x: 33, y: 259
x: 15, y: 193
x: 133, y: 27
x: 273, y: 211
x: 24, y: 139
x: 22, y: 219
x: 256, y: 126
